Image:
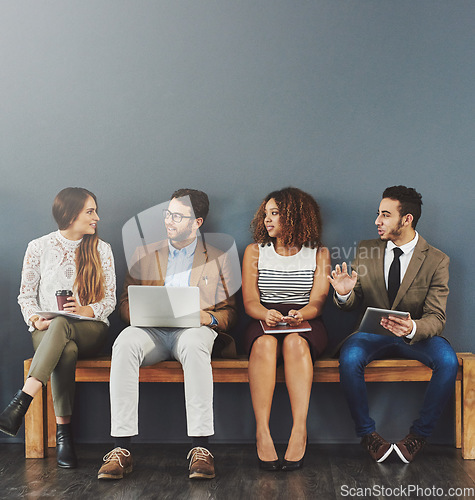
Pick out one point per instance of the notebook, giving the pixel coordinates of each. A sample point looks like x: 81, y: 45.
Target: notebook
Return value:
x: 164, y: 306
x: 285, y: 328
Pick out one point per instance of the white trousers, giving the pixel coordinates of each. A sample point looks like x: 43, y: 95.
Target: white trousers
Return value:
x: 136, y: 347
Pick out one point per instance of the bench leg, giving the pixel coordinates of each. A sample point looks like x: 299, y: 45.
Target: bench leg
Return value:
x: 458, y: 413
x: 51, y: 417
x: 468, y: 409
x: 35, y: 431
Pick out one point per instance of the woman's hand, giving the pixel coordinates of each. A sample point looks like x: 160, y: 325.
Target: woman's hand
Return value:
x: 72, y: 306
x: 293, y: 318
x: 42, y: 323
x: 273, y: 317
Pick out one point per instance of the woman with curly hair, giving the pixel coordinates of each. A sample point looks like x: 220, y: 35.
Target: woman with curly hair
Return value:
x: 284, y: 281
x: 72, y: 259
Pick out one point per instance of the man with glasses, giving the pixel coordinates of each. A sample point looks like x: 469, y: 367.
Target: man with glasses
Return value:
x: 184, y: 260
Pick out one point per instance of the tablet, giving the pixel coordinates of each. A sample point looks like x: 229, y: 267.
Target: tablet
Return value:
x: 371, y: 322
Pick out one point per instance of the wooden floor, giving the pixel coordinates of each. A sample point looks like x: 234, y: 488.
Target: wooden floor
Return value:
x: 161, y: 473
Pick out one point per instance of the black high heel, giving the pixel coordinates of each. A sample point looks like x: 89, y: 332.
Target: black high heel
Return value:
x: 289, y: 465
x: 271, y: 465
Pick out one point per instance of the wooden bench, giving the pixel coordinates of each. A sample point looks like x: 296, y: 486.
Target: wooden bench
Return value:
x: 40, y: 426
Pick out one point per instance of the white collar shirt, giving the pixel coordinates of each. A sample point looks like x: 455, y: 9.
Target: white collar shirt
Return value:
x: 404, y: 259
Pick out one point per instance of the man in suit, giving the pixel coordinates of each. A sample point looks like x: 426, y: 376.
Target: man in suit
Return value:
x: 183, y: 259
x: 398, y: 271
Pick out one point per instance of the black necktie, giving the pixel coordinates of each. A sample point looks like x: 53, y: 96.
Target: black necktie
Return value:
x: 394, y: 277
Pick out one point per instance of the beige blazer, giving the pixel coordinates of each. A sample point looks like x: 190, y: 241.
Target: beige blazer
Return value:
x: 423, y: 291
x: 207, y: 273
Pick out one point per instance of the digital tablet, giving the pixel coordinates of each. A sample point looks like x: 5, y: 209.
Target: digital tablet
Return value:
x: 371, y: 322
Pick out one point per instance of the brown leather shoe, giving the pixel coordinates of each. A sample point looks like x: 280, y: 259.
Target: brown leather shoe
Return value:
x: 376, y: 446
x: 118, y: 463
x: 201, y: 463
x: 409, y: 447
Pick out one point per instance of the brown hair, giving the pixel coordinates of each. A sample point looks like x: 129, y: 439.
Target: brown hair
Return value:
x: 199, y: 201
x: 89, y: 282
x: 299, y: 217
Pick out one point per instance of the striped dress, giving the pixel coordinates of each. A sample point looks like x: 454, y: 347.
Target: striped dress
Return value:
x: 286, y: 279
x: 285, y: 283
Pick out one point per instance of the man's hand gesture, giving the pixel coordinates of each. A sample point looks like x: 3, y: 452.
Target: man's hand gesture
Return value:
x: 341, y: 281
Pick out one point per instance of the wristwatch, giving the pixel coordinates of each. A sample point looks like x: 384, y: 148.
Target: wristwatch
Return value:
x: 214, y: 321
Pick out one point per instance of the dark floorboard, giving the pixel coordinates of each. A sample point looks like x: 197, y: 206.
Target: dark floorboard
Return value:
x: 160, y: 472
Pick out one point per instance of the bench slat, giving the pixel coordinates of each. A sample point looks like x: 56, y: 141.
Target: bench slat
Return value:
x: 235, y: 370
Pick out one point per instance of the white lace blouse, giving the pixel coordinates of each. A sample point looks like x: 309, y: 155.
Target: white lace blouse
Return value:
x: 50, y: 265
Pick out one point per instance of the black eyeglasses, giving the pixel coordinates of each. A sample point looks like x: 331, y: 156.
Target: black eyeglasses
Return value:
x: 176, y: 217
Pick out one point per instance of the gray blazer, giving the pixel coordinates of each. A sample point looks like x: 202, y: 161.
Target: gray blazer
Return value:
x: 423, y: 291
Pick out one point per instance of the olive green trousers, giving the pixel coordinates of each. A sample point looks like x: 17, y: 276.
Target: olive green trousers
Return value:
x: 56, y: 352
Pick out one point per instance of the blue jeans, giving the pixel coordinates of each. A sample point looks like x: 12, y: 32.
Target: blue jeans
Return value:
x: 362, y: 348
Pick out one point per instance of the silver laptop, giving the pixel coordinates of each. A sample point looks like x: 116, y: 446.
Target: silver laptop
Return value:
x: 164, y: 306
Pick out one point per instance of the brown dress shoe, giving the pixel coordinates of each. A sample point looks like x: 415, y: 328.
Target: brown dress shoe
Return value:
x: 118, y: 463
x: 201, y: 463
x: 409, y: 447
x: 376, y: 446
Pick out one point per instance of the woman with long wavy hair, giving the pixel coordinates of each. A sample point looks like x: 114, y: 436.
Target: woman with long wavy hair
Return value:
x: 284, y: 281
x: 74, y: 259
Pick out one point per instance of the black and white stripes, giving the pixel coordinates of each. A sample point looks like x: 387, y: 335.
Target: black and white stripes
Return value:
x: 286, y: 279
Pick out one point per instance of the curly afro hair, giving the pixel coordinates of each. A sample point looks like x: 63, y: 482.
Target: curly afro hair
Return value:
x: 299, y: 218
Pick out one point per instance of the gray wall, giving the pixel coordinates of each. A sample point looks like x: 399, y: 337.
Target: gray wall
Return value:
x: 133, y: 99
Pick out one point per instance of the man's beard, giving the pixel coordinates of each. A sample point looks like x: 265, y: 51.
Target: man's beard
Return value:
x: 395, y: 233
x: 184, y: 234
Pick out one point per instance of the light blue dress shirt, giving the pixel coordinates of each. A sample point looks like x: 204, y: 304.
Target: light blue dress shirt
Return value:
x: 180, y: 262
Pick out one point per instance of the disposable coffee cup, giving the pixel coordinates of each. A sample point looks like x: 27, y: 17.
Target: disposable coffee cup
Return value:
x: 62, y: 298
